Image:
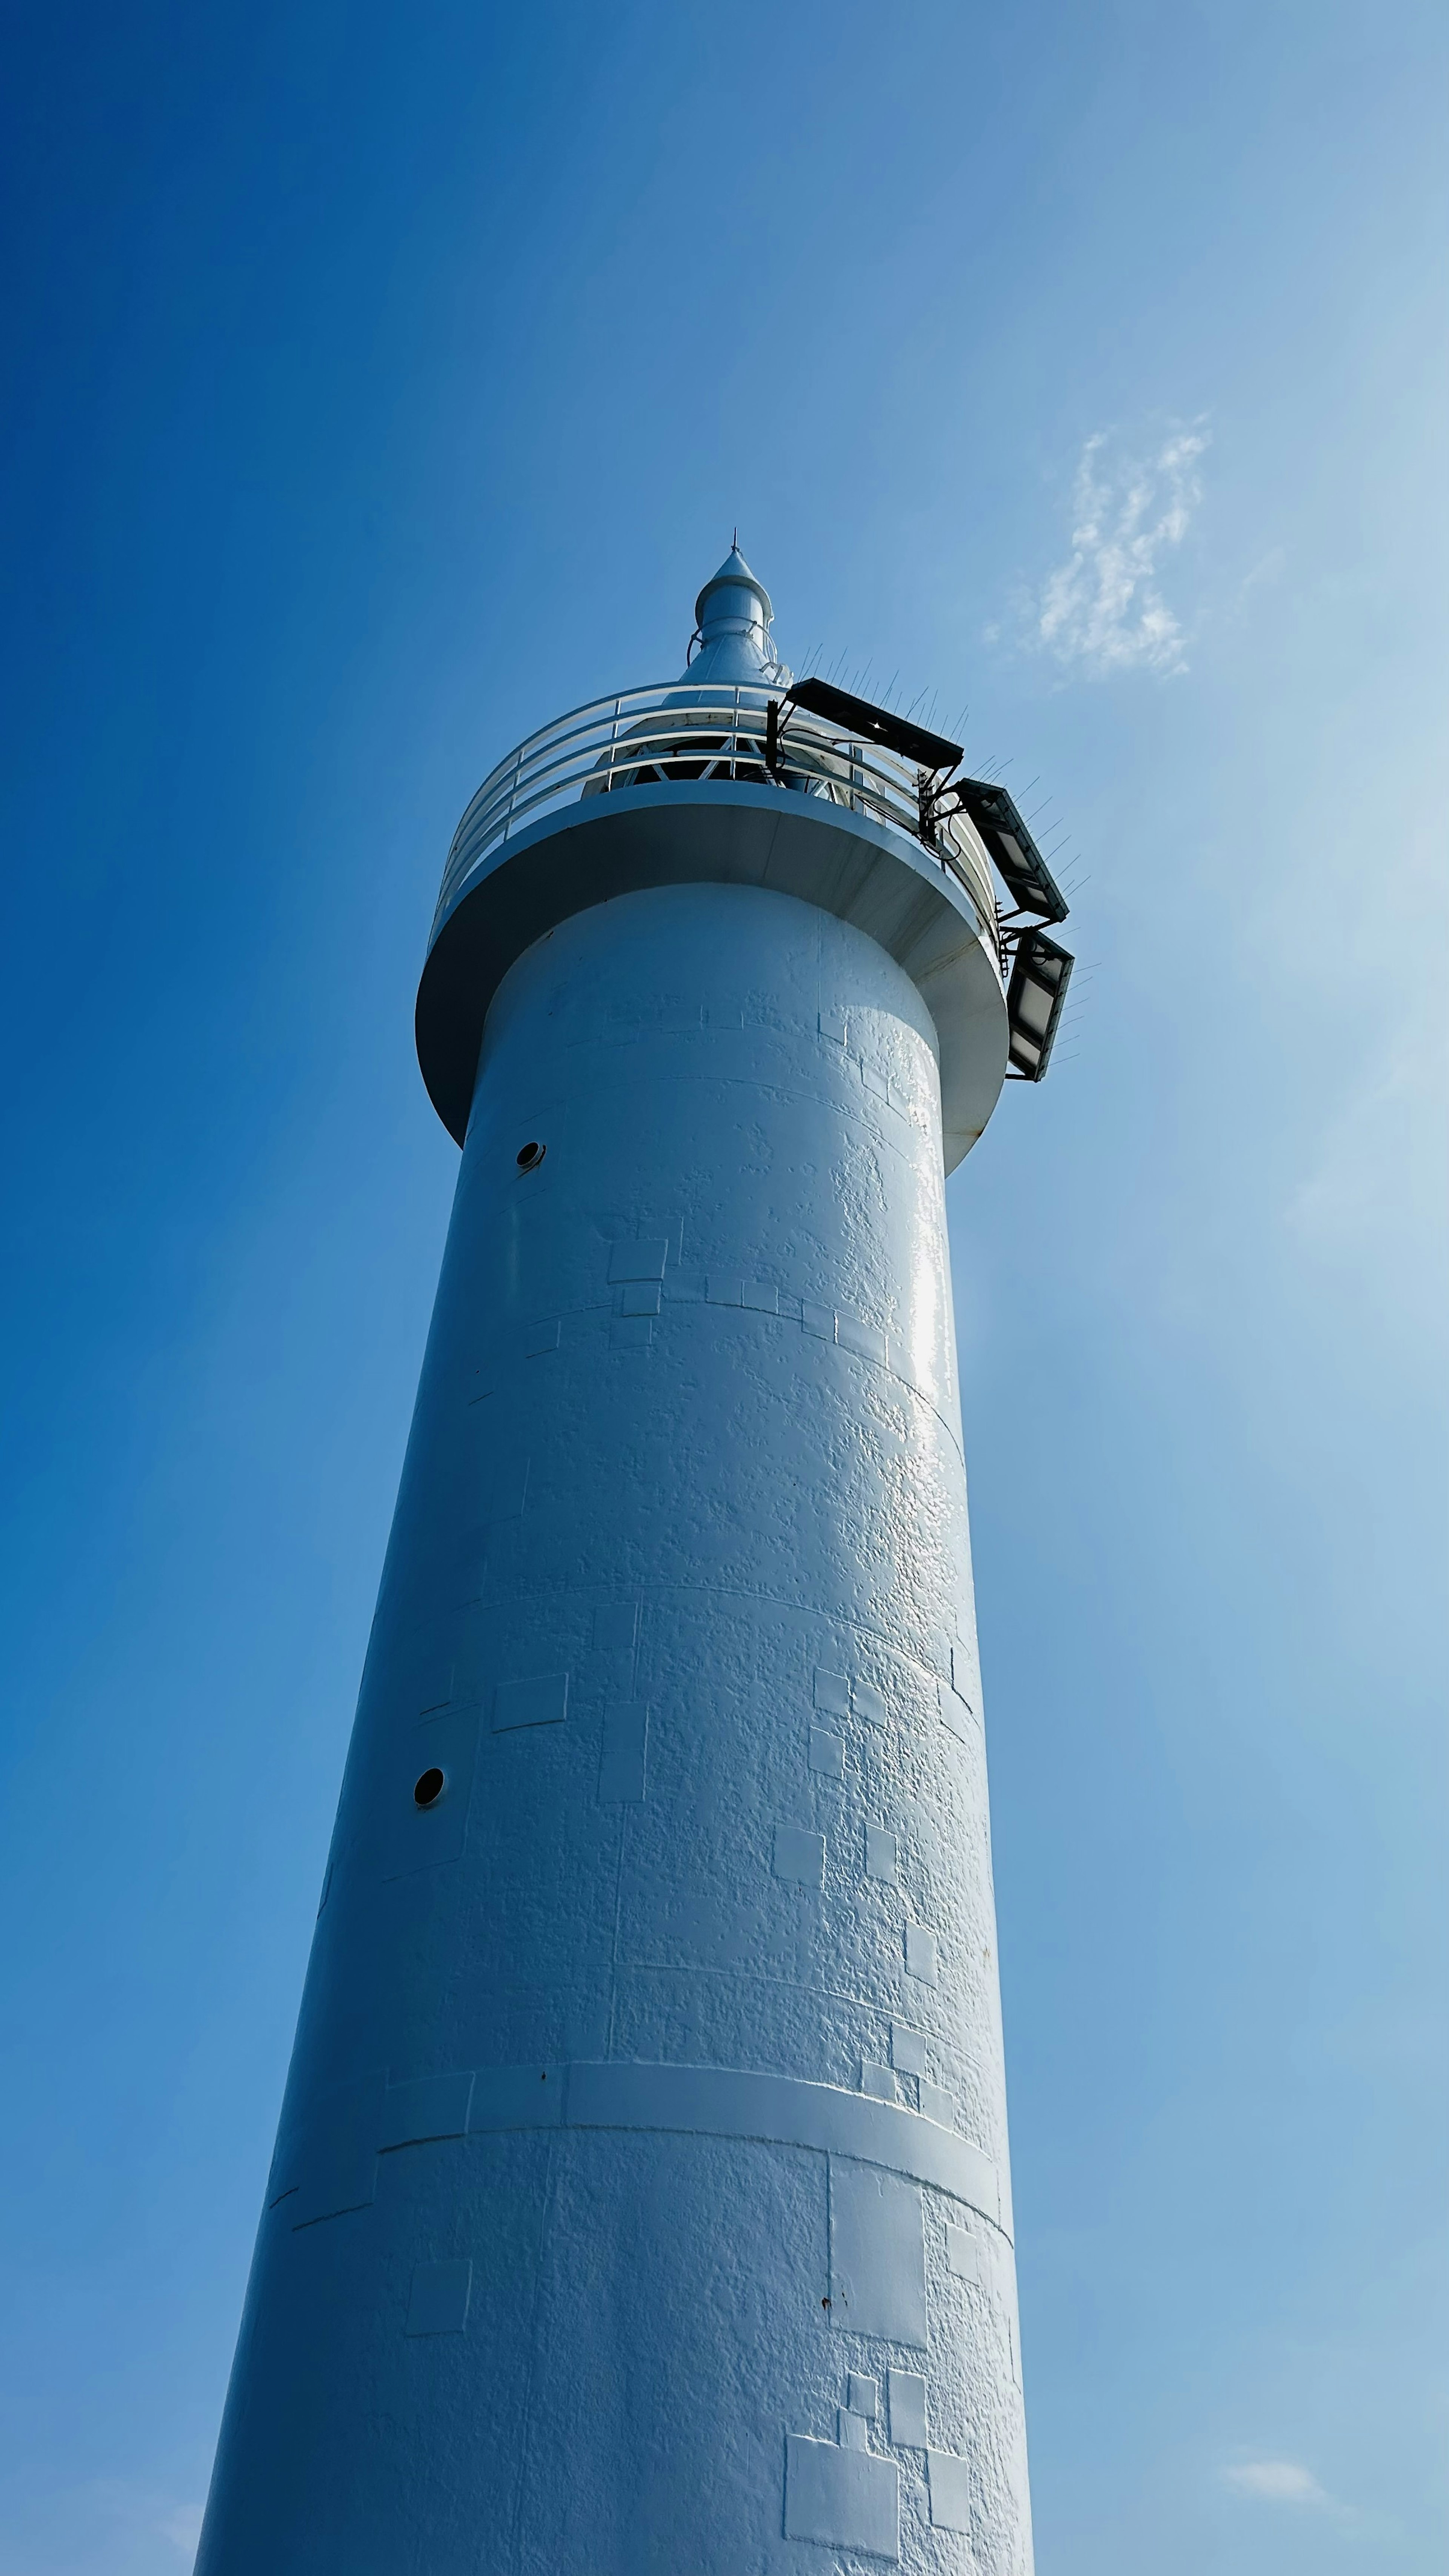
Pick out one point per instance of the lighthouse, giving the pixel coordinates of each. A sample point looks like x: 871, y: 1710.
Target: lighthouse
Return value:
x: 641, y: 2200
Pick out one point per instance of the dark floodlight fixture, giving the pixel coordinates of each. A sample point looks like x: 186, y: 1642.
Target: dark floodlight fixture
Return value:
x: 1019, y: 863
x: 928, y: 750
x: 1034, y: 998
x: 1040, y: 970
x: 995, y: 815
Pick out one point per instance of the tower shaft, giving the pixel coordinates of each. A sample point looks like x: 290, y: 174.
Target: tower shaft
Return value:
x: 641, y: 2201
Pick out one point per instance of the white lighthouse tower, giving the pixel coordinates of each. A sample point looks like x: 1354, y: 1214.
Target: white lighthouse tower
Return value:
x: 641, y: 2201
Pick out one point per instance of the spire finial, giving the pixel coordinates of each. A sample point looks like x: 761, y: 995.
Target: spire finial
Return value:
x: 735, y: 541
x: 732, y: 624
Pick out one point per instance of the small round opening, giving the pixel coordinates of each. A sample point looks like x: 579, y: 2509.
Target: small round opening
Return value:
x: 531, y: 1155
x: 428, y: 1790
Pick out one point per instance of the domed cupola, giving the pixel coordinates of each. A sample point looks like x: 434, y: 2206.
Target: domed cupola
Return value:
x: 732, y: 639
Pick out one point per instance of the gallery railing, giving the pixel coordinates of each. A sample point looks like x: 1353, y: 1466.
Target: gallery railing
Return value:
x: 676, y: 732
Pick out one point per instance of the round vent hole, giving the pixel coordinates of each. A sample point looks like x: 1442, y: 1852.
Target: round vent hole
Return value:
x: 531, y: 1155
x: 428, y: 1790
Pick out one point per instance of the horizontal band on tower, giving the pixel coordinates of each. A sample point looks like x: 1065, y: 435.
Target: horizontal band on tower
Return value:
x: 329, y: 2162
x: 692, y: 2101
x: 779, y: 2110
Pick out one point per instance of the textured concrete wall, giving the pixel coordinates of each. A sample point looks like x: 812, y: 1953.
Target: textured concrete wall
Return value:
x: 641, y: 2203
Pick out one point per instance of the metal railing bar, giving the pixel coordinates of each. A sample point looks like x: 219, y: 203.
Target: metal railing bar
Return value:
x: 717, y: 730
x: 863, y: 780
x: 808, y: 745
x: 544, y: 750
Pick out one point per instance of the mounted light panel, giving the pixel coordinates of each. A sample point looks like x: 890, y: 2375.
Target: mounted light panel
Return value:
x: 1034, y: 998
x: 1023, y: 870
x: 1041, y: 971
x: 856, y: 715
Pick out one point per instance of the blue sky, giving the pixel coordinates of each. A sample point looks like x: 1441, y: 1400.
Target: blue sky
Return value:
x: 382, y: 382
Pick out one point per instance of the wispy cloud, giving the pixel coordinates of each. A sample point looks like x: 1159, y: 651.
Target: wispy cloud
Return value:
x: 181, y: 2525
x: 1281, y: 2481
x: 144, y: 2526
x: 1102, y: 610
